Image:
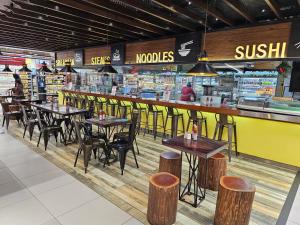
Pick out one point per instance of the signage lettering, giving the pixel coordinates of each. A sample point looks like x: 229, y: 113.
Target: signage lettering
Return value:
x: 101, y: 60
x: 261, y: 51
x: 155, y: 57
x: 62, y: 62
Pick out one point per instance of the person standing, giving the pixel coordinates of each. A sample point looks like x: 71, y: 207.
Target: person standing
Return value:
x: 187, y: 93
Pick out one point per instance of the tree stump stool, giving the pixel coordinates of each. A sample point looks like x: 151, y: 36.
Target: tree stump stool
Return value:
x: 170, y: 162
x: 217, y: 167
x: 162, y: 199
x: 234, y: 201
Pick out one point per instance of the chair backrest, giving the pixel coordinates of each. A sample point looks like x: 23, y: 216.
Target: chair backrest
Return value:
x: 78, y: 126
x: 24, y: 114
x: 5, y: 106
x: 133, y: 126
x: 38, y: 116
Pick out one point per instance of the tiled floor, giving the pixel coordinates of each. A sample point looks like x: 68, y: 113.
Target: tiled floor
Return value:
x: 33, y: 191
x: 294, y: 217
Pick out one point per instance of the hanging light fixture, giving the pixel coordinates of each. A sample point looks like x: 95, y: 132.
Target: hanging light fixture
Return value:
x: 25, y: 69
x: 107, y: 68
x: 6, y: 69
x: 44, y: 68
x: 203, y: 68
x: 68, y: 68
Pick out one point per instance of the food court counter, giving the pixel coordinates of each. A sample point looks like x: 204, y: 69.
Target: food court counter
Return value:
x: 267, y: 135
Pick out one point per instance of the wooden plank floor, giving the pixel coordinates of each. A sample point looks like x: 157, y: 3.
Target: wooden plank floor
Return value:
x: 129, y: 192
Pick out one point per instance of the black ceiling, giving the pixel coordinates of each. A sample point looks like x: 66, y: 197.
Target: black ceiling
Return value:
x: 65, y: 24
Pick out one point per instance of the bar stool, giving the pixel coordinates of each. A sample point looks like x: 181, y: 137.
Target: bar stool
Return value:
x: 141, y: 110
x: 83, y: 102
x: 155, y: 113
x: 111, y: 107
x: 221, y: 123
x: 234, y: 202
x: 199, y: 120
x: 170, y: 162
x: 123, y: 109
x: 175, y: 116
x: 163, y: 199
x: 217, y: 167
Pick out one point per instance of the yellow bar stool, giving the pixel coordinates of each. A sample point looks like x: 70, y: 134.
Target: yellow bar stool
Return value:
x: 198, y: 119
x: 155, y: 113
x: 175, y: 116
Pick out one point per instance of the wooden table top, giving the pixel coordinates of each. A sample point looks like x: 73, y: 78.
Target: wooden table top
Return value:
x: 61, y: 110
x: 108, y: 122
x: 203, y: 147
x: 26, y: 100
x: 175, y: 104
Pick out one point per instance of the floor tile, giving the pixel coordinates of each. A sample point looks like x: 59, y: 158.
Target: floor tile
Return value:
x: 66, y: 198
x: 6, y: 176
x: 19, y: 158
x: 292, y: 223
x: 47, y: 181
x: 52, y: 222
x: 13, y: 192
x: 133, y: 221
x: 94, y: 212
x: 32, y: 167
x: 27, y: 212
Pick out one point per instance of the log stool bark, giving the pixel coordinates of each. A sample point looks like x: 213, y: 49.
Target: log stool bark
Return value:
x: 163, y: 199
x: 234, y: 202
x: 170, y: 162
x: 217, y: 167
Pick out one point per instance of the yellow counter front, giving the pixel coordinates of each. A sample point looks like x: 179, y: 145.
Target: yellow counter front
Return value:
x: 267, y: 139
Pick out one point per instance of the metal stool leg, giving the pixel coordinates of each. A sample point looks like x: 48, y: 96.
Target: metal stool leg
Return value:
x: 230, y: 132
x: 235, y: 140
x: 216, y: 130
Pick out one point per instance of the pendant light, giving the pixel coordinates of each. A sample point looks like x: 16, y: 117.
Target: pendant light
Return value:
x: 107, y: 68
x: 6, y: 69
x: 44, y: 68
x: 203, y: 68
x: 25, y: 69
x: 68, y: 68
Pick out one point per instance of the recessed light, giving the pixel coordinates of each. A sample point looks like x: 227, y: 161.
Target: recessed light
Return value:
x: 189, y: 2
x: 57, y: 7
x: 110, y: 24
x: 168, y: 28
x: 40, y: 17
x: 25, y: 24
x: 263, y: 10
x: 47, y: 39
x: 217, y: 19
x: 90, y: 29
x: 72, y: 32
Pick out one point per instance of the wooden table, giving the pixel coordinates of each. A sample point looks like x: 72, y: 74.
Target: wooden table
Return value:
x: 204, y: 148
x: 107, y: 123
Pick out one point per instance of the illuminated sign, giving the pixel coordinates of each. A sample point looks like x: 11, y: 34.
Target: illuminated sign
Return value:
x: 261, y: 51
x: 100, y: 60
x: 62, y: 62
x: 155, y: 57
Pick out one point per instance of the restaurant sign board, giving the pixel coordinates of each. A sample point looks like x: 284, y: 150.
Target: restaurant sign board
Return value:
x: 260, y: 42
x: 294, y: 43
x: 117, y: 54
x: 63, y: 57
x: 79, y: 58
x: 151, y: 52
x: 187, y: 48
x: 97, y: 56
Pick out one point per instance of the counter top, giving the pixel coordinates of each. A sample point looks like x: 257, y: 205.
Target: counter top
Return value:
x: 226, y: 110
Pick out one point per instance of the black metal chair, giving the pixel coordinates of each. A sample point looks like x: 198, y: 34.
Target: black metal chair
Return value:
x: 29, y: 122
x: 47, y: 130
x: 122, y: 146
x: 88, y: 144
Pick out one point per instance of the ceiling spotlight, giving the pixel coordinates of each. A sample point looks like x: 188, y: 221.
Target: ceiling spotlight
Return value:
x: 110, y: 24
x: 217, y: 19
x: 57, y: 7
x: 26, y: 24
x: 168, y: 28
x: 263, y: 10
x: 47, y: 39
x: 72, y: 32
x: 189, y: 2
x: 90, y: 29
x: 142, y: 33
x: 40, y: 17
